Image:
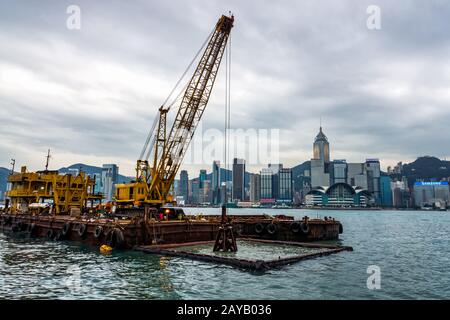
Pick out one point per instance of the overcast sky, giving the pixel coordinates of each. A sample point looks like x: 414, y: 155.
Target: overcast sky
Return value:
x: 90, y: 95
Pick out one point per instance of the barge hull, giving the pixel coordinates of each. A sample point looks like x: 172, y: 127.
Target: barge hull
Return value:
x: 128, y: 234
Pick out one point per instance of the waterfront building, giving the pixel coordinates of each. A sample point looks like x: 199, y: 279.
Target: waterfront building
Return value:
x: 205, y: 193
x: 180, y: 201
x: 385, y: 191
x: 339, y: 195
x: 238, y: 180
x: 400, y: 194
x: 225, y: 191
x: 431, y: 194
x: 255, y: 187
x: 276, y: 184
x: 110, y: 177
x: 301, y: 185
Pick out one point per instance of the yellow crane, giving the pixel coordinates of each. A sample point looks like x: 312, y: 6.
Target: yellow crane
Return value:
x: 168, y: 147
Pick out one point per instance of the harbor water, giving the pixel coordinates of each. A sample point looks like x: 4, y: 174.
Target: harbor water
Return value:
x: 409, y: 249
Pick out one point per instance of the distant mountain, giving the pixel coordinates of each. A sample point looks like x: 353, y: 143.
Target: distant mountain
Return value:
x: 83, y: 167
x: 298, y: 175
x: 426, y: 168
x: 3, y: 179
x: 91, y: 170
x: 300, y: 169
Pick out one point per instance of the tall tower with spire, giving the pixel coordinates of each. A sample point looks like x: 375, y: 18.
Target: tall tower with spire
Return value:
x: 321, y: 147
x: 320, y: 163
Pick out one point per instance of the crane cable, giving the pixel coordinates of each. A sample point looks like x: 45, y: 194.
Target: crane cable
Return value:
x: 226, y: 144
x: 155, y: 122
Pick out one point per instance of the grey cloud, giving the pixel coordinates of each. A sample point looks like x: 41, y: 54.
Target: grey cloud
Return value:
x: 382, y: 93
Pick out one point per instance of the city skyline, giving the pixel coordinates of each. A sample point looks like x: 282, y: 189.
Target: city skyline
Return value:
x: 100, y: 98
x: 193, y: 170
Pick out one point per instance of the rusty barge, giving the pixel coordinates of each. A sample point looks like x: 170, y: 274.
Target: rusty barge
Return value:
x: 138, y: 231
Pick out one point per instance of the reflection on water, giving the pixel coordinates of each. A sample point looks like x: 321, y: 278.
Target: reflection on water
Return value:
x: 412, y: 250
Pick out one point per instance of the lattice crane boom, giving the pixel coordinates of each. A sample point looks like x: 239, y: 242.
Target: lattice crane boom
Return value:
x: 189, y: 113
x: 153, y: 183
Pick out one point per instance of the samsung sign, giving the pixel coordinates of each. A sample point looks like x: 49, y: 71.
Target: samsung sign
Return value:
x: 441, y: 183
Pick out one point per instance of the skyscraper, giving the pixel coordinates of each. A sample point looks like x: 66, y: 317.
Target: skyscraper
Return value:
x: 357, y: 175
x: 238, y: 179
x: 215, y: 183
x: 321, y: 147
x: 320, y: 163
x: 285, y: 185
x: 255, y: 187
x: 110, y: 177
x: 276, y: 169
x: 339, y: 171
x: 202, y: 177
x: 266, y: 183
x: 373, y: 178
x: 183, y: 186
x: 386, y: 192
x: 195, y: 191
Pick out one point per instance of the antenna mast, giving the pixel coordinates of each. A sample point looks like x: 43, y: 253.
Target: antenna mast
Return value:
x: 48, y: 159
x: 13, y: 163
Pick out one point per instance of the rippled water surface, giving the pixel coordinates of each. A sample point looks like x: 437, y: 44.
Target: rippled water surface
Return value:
x: 412, y: 250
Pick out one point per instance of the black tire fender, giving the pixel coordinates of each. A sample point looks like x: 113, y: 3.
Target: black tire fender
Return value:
x: 50, y: 234
x: 31, y: 228
x: 271, y: 228
x: 115, y: 238
x: 304, y: 227
x: 259, y: 228
x: 98, y: 231
x: 66, y: 228
x: 295, y: 227
x: 82, y: 228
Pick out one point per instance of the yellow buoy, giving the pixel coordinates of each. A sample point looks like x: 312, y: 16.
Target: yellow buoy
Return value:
x: 105, y: 249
